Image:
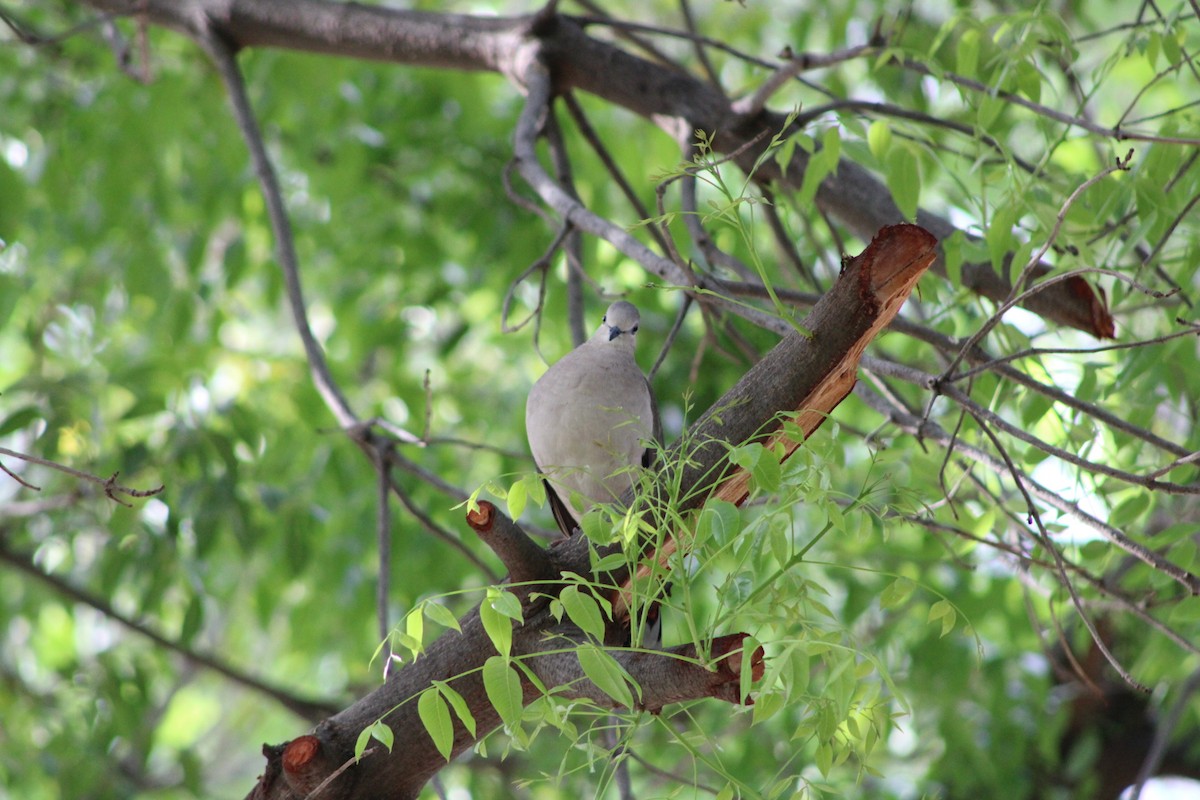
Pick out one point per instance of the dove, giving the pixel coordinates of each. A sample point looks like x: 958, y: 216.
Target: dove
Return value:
x: 589, y: 418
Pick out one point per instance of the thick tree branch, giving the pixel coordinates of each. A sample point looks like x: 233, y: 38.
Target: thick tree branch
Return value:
x: 675, y: 101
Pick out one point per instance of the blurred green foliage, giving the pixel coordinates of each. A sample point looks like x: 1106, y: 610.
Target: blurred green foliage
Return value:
x: 144, y: 329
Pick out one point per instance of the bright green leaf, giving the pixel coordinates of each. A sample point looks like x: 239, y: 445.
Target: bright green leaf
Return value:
x: 435, y: 716
x: 503, y: 687
x: 461, y: 709
x: 609, y: 676
x: 581, y: 607
x: 498, y: 628
x: 516, y: 498
x: 441, y: 615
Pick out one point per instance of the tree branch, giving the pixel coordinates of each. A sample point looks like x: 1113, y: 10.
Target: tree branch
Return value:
x: 307, y: 708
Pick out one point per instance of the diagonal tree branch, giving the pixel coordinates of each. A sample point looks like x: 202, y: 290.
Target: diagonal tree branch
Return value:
x: 304, y: 707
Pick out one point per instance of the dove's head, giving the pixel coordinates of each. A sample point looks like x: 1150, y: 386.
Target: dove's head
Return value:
x: 620, y: 324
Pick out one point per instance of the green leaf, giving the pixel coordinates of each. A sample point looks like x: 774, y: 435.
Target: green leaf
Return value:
x: 376, y: 730
x: 820, y: 164
x: 999, y: 235
x: 989, y: 111
x: 824, y: 758
x: 766, y: 471
x: 966, y: 60
x: 896, y: 593
x: 583, y: 610
x: 498, y: 628
x: 461, y: 709
x: 506, y: 603
x: 193, y: 618
x: 1131, y: 509
x: 944, y: 611
x: 1171, y: 48
x: 503, y: 687
x: 766, y: 706
x: 879, y: 138
x: 609, y: 676
x: 952, y: 248
x: 435, y: 716
x: 516, y: 498
x: 904, y: 180
x: 19, y: 419
x: 414, y: 627
x: 1029, y: 81
x: 719, y: 520
x: 441, y: 615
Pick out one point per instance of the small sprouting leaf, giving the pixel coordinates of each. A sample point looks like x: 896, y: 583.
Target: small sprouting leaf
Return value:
x: 516, y: 498
x: 609, y: 676
x: 435, y: 716
x: 581, y: 607
x: 503, y: 687
x: 376, y: 730
x: 896, y: 593
x: 945, y: 612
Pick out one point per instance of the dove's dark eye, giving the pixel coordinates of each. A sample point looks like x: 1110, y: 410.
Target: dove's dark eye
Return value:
x: 634, y: 329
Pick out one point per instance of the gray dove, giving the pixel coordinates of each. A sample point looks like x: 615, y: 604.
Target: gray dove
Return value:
x: 588, y: 419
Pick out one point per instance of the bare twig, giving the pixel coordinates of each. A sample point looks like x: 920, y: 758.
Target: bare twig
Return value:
x: 383, y: 539
x: 1192, y: 329
x: 793, y: 66
x: 281, y: 226
x: 573, y: 246
x: 312, y: 710
x: 689, y: 21
x: 1018, y: 292
x: 1115, y: 133
x: 109, y: 484
x: 610, y: 164
x: 936, y: 433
